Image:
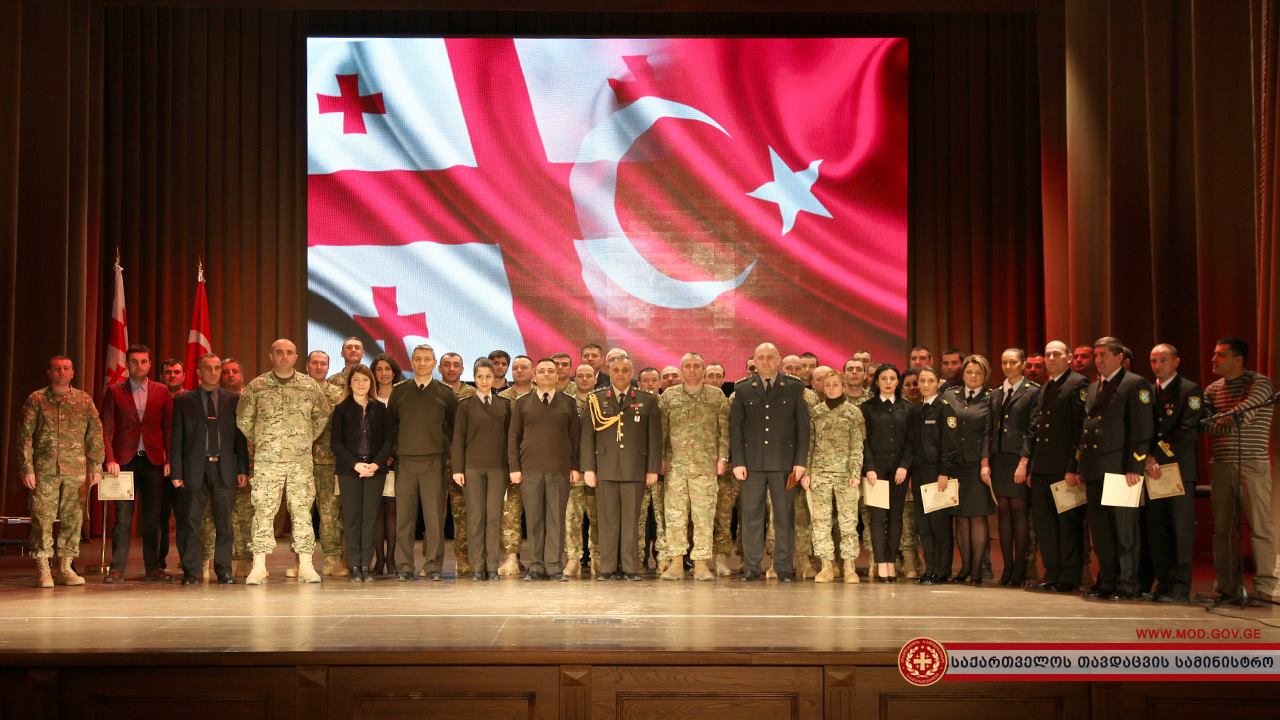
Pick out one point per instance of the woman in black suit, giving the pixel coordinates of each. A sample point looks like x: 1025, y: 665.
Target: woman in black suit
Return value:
x: 1012, y: 406
x: 928, y: 422
x: 362, y: 435
x: 967, y: 444
x: 887, y: 458
x: 387, y: 374
x: 479, y: 460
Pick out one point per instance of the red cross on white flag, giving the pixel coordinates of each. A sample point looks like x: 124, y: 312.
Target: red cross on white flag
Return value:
x: 117, y: 333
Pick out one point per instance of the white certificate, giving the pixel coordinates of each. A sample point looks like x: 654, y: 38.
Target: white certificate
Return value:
x: 935, y: 499
x: 1066, y: 497
x: 1168, y: 485
x: 389, y: 487
x: 1116, y: 491
x: 877, y: 495
x: 116, y: 487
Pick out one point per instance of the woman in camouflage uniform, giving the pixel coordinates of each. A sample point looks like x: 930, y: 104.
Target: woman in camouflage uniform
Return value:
x: 834, y: 471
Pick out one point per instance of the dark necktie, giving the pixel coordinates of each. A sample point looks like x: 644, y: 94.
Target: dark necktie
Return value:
x: 486, y: 401
x: 1105, y: 395
x: 1051, y: 393
x: 211, y: 429
x: 546, y: 399
x: 768, y: 385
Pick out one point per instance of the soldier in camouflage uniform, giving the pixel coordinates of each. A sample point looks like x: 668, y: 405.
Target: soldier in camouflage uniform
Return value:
x: 582, y: 499
x: 281, y: 413
x: 60, y: 441
x: 695, y: 431
x: 834, y: 472
x: 726, y: 495
x: 512, y: 507
x: 451, y: 372
x: 328, y: 502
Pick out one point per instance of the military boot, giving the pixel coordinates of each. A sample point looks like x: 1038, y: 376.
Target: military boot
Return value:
x: 44, y: 578
x: 258, y: 575
x: 66, y: 575
x: 307, y: 569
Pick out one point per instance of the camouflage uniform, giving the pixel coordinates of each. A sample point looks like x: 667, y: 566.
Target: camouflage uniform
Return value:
x: 512, y: 507
x: 581, y: 499
x: 281, y: 419
x: 457, y: 502
x: 328, y: 503
x: 727, y: 488
x: 835, y: 456
x: 60, y: 439
x: 653, y: 498
x: 695, y: 431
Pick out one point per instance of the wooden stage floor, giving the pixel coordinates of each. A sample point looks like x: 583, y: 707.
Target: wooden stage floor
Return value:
x: 580, y: 650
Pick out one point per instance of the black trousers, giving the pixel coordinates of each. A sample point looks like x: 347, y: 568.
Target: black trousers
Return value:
x: 148, y: 489
x: 168, y: 509
x: 420, y: 479
x: 192, y: 499
x: 752, y: 511
x: 1116, y: 540
x: 1058, y: 535
x: 361, y: 499
x: 618, y: 510
x: 886, y: 525
x: 934, y: 527
x: 1171, y: 527
x: 484, y: 493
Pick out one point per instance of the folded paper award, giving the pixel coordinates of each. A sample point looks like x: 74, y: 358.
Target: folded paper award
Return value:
x: 1066, y: 497
x: 116, y: 487
x: 1117, y: 492
x: 1168, y: 485
x: 792, y: 479
x: 877, y: 495
x: 935, y: 499
x: 389, y: 487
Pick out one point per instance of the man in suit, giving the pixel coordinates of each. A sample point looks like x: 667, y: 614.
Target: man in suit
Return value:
x: 136, y: 423
x: 1048, y: 450
x: 1178, y: 408
x: 209, y: 460
x: 621, y: 456
x: 1116, y: 438
x: 768, y: 439
x: 542, y: 451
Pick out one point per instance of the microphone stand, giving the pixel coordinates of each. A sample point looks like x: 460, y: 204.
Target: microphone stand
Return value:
x: 1241, y: 596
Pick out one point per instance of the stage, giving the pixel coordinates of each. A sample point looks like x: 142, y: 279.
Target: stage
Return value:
x: 577, y: 649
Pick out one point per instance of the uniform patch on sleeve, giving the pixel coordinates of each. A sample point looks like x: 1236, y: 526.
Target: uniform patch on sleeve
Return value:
x: 951, y: 422
x: 1144, y: 396
x: 1193, y: 402
x: 1084, y: 393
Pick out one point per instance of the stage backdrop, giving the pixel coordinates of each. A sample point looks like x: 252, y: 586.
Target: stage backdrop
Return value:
x: 662, y: 195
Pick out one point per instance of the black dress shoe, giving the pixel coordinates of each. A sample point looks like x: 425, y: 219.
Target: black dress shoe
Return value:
x: 435, y: 576
x: 532, y: 576
x: 478, y: 576
x: 1044, y: 587
x: 1174, y: 598
x: 942, y: 579
x: 976, y: 581
x: 559, y: 577
x: 366, y: 575
x: 404, y: 576
x: 604, y: 577
x: 1095, y: 592
x: 634, y: 577
x: 927, y: 579
x: 787, y: 577
x: 1063, y: 587
x: 960, y: 579
x: 191, y: 579
x: 494, y: 576
x: 227, y: 580
x: 751, y: 577
x: 1123, y: 596
x: 353, y: 574
x: 891, y: 579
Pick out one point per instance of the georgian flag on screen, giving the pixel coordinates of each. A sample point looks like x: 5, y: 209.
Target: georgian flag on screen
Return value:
x: 533, y: 195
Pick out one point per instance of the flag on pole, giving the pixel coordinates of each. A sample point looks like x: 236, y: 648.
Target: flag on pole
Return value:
x: 118, y: 332
x: 198, y: 342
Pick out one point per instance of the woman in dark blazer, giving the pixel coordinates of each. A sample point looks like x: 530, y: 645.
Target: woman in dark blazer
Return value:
x: 1012, y: 406
x: 362, y: 435
x: 964, y: 451
x: 886, y: 457
x: 479, y: 460
x: 927, y: 423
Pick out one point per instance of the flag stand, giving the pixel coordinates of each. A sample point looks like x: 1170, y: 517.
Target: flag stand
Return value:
x: 102, y: 568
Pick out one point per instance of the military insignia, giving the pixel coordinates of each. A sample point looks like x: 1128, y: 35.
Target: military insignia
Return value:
x: 1138, y: 457
x: 1144, y: 396
x: 1084, y: 393
x: 951, y: 422
x: 1193, y: 402
x: 754, y: 383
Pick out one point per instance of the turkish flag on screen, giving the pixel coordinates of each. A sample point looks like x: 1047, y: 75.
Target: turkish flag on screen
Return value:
x: 661, y: 195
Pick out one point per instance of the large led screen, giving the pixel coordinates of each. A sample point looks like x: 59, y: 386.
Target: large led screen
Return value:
x: 659, y: 195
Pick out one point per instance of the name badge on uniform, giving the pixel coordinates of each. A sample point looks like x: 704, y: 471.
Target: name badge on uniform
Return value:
x: 930, y: 422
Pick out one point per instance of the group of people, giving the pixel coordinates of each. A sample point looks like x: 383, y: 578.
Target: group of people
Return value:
x: 795, y: 447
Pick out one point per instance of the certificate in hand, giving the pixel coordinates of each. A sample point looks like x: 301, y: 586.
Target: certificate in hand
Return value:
x: 116, y: 487
x: 1168, y: 485
x: 876, y: 495
x: 1117, y: 492
x: 1066, y: 497
x: 389, y: 487
x: 935, y: 499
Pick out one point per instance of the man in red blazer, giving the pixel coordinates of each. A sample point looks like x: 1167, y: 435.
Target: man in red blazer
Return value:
x: 136, y: 418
